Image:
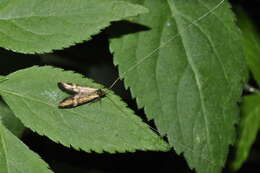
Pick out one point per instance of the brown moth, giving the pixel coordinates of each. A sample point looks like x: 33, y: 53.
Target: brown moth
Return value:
x: 80, y: 94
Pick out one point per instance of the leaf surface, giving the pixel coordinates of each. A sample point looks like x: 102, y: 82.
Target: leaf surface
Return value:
x: 249, y: 126
x: 38, y: 26
x: 16, y: 157
x: 106, y: 125
x: 186, y: 71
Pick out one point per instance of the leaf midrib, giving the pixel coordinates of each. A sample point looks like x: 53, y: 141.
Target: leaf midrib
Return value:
x: 196, y: 75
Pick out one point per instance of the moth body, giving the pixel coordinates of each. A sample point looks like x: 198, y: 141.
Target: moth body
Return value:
x: 80, y: 94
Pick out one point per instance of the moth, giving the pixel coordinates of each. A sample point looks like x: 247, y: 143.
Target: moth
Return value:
x: 79, y: 94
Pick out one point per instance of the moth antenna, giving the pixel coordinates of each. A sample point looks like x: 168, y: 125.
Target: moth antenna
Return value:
x: 154, y: 51
x: 166, y: 42
x: 149, y: 55
x: 113, y: 84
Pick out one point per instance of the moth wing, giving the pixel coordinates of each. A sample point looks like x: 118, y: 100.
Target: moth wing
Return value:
x: 77, y: 100
x: 72, y: 88
x: 67, y: 102
x: 67, y: 87
x: 85, y: 90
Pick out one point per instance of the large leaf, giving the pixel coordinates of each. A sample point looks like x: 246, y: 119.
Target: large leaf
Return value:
x: 249, y: 127
x: 31, y: 26
x: 251, y: 43
x: 10, y: 121
x: 16, y: 157
x: 106, y: 125
x: 187, y: 73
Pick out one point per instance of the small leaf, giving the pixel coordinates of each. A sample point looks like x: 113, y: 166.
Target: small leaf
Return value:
x: 10, y: 121
x: 251, y: 43
x: 16, y: 157
x: 106, y: 125
x: 249, y: 127
x: 31, y: 26
x: 187, y: 73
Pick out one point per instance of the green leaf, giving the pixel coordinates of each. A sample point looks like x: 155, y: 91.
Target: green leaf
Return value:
x: 251, y: 43
x: 186, y: 72
x: 10, y: 121
x: 37, y: 26
x: 16, y: 157
x: 249, y: 126
x: 106, y: 125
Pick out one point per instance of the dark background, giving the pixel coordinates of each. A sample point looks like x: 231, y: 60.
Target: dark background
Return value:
x: 93, y: 60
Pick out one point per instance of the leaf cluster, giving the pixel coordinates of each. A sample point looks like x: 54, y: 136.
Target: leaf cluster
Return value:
x: 185, y: 68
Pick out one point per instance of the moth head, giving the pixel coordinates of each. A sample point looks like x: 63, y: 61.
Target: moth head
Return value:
x: 100, y: 92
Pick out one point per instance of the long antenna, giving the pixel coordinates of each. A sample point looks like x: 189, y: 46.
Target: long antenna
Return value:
x: 154, y: 51
x: 165, y: 43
